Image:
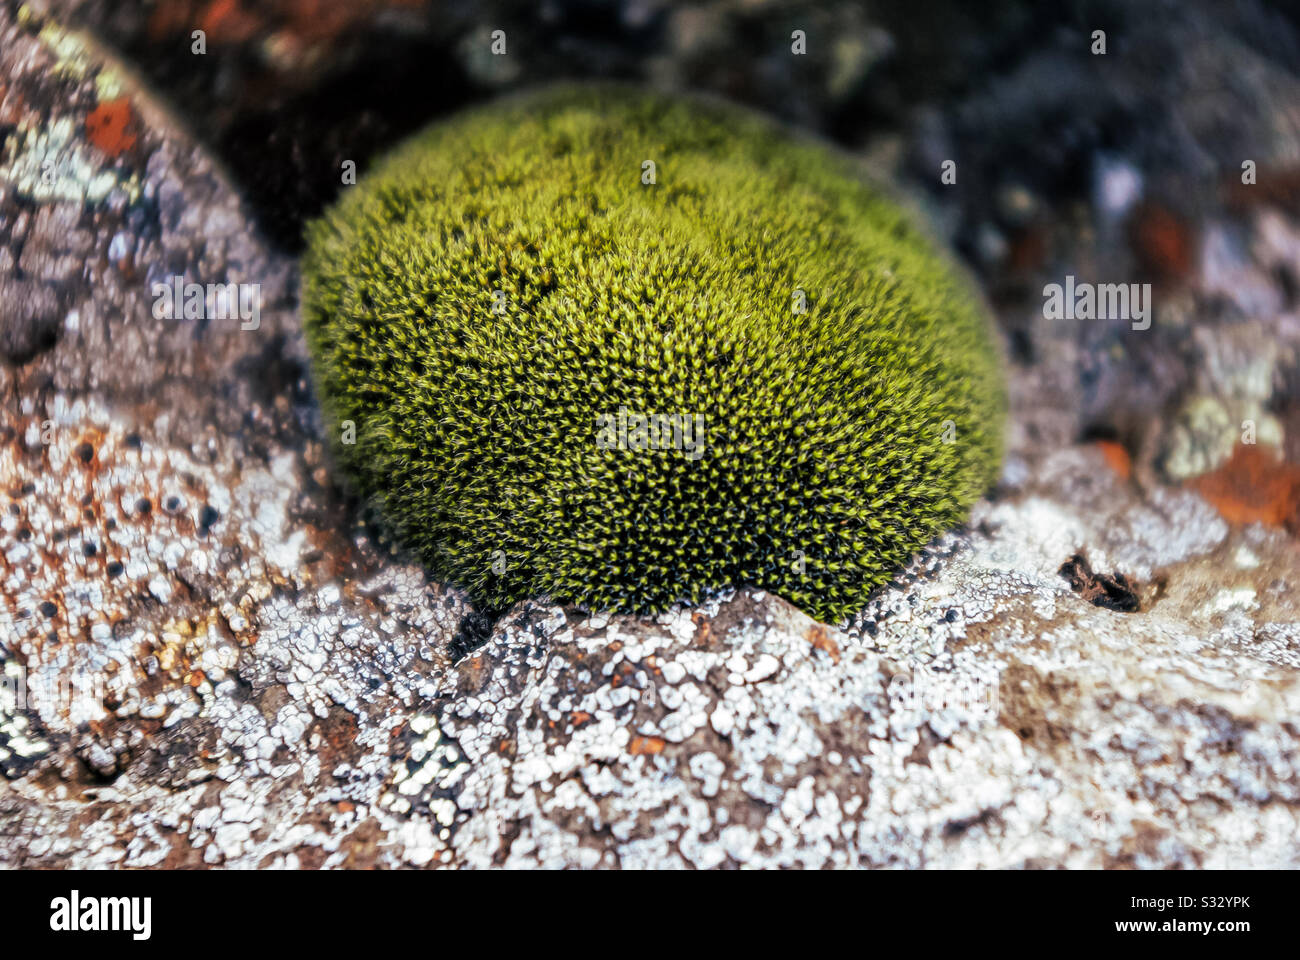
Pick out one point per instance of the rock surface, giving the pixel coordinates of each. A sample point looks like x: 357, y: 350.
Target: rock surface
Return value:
x: 209, y: 660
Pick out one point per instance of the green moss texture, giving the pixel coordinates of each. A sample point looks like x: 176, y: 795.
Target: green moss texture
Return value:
x: 500, y: 299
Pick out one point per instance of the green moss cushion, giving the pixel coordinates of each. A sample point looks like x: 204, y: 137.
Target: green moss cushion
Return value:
x: 566, y: 380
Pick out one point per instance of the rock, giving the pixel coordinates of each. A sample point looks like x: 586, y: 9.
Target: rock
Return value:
x: 209, y: 660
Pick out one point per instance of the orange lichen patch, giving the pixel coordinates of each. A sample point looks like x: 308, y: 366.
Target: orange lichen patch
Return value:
x: 318, y: 20
x: 646, y: 746
x: 226, y: 21
x: 295, y: 22
x: 169, y: 18
x: 1116, y: 458
x: 111, y: 126
x: 579, y: 717
x: 701, y: 627
x: 1162, y: 241
x: 820, y: 639
x: 1254, y: 486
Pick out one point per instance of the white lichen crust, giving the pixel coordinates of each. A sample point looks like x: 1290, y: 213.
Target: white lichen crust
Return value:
x: 271, y: 689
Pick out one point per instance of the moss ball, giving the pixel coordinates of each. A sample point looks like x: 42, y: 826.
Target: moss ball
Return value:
x: 622, y: 350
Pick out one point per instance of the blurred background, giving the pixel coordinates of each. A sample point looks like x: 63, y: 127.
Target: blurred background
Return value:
x: 1117, y: 167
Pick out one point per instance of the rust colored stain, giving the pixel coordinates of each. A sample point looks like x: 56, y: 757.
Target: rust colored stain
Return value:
x: 820, y: 639
x: 580, y: 717
x: 1116, y: 457
x: 646, y: 746
x: 327, y: 20
x: 1028, y: 249
x: 111, y: 126
x: 226, y: 21
x: 11, y: 105
x: 169, y: 18
x: 1162, y: 241
x: 340, y: 730
x: 1254, y: 486
x: 294, y: 22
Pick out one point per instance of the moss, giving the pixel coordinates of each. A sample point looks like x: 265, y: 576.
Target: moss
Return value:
x: 825, y: 458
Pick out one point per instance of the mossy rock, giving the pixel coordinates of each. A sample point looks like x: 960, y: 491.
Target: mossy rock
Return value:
x: 506, y: 280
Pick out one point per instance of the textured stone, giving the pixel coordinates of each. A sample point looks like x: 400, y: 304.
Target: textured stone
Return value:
x: 250, y: 679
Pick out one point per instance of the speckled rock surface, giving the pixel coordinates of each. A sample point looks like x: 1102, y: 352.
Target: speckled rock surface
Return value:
x: 208, y: 660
